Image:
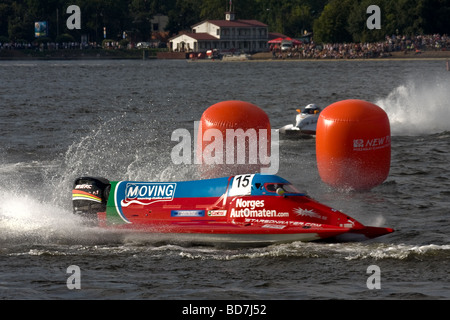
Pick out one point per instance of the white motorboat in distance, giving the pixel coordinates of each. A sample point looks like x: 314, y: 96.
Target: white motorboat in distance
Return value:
x: 305, y: 123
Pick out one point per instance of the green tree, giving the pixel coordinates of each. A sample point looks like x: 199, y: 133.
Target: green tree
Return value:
x: 435, y: 15
x: 357, y: 19
x: 408, y: 20
x: 141, y: 15
x: 212, y: 9
x: 331, y: 20
x: 299, y: 20
x: 183, y: 15
x: 5, y: 14
x: 332, y: 25
x: 20, y: 23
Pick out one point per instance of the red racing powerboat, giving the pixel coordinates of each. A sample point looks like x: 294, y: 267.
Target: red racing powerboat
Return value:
x: 241, y: 209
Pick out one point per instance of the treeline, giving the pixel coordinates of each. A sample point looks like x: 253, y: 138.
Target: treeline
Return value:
x: 330, y: 20
x: 345, y: 20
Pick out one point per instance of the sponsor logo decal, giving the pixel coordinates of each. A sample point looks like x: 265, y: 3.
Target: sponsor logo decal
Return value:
x: 254, y: 209
x: 274, y: 226
x: 83, y: 186
x: 350, y: 224
x: 82, y: 195
x: 289, y: 223
x: 308, y: 213
x: 217, y: 213
x: 146, y: 193
x: 187, y: 213
x: 371, y: 144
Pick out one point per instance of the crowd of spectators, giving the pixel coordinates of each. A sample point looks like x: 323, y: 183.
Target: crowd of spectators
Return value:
x: 416, y: 45
x: 107, y: 44
x: 45, y: 45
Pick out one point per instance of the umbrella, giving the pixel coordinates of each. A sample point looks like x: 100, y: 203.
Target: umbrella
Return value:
x: 277, y: 40
x: 294, y: 41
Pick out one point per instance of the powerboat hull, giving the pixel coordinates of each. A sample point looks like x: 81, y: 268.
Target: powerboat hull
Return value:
x: 305, y: 123
x: 292, y: 132
x: 244, y: 209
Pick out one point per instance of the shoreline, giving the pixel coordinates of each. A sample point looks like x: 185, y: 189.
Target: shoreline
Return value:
x: 424, y: 55
x: 76, y: 54
x: 101, y: 54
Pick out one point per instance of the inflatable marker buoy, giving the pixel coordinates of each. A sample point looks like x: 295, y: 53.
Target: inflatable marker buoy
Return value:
x: 353, y: 145
x: 230, y: 136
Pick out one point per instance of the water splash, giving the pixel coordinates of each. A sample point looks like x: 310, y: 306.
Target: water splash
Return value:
x: 25, y: 217
x: 421, y: 106
x: 35, y: 197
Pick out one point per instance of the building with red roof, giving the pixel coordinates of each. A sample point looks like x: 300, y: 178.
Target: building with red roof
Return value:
x: 224, y: 35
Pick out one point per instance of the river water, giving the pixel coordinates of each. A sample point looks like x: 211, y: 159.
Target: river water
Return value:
x: 114, y: 118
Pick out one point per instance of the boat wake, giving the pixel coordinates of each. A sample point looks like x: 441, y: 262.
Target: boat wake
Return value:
x: 418, y: 107
x: 31, y: 227
x: 28, y: 221
x: 344, y: 251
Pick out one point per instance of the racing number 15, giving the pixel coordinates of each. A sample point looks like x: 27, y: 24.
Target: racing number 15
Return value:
x: 243, y: 181
x: 242, y: 185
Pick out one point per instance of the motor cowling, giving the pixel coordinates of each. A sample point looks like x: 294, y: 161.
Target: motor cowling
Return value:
x: 90, y: 195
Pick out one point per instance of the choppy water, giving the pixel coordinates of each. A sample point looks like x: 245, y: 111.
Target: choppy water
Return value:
x: 63, y: 119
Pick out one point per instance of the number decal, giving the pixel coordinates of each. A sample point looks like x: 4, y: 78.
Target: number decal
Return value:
x: 242, y: 185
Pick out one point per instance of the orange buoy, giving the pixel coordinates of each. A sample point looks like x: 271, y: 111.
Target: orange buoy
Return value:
x: 230, y: 137
x: 353, y: 145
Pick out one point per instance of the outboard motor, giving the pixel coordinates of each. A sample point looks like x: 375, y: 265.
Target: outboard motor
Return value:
x: 89, y: 196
